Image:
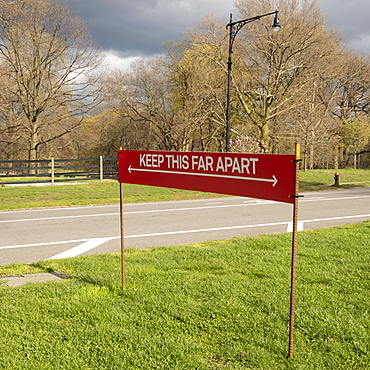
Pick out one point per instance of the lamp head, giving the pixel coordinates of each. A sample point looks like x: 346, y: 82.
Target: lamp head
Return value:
x: 276, y: 24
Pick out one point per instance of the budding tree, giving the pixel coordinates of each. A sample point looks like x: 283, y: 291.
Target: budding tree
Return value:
x: 280, y: 67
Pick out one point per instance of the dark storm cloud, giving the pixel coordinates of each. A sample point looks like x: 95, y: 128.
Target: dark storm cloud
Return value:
x: 130, y: 28
x: 351, y: 19
x: 140, y: 27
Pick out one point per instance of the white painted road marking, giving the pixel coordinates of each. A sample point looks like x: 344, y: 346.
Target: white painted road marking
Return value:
x: 89, y: 244
x: 132, y: 212
x: 59, y: 217
x: 244, y: 204
x: 145, y: 235
x: 44, y: 244
x: 82, y: 248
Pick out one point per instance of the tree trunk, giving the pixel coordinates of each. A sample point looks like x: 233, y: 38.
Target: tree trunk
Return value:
x: 311, y: 165
x: 264, y: 137
x: 32, y: 152
x: 336, y: 159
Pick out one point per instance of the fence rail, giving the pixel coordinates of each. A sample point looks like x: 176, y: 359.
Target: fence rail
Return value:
x: 57, y: 170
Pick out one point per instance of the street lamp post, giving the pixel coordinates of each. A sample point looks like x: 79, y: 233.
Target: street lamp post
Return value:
x: 234, y: 28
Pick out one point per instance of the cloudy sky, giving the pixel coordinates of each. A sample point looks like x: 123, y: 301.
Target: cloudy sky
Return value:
x: 131, y: 28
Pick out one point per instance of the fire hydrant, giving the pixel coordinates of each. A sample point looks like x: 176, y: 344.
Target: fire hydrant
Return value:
x: 336, y: 179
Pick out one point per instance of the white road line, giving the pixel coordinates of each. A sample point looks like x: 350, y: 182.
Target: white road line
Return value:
x: 180, y: 232
x: 82, y: 248
x: 244, y: 204
x: 59, y: 217
x: 205, y: 230
x: 126, y: 213
x: 143, y: 235
x: 44, y: 244
x: 336, y: 218
x: 318, y: 199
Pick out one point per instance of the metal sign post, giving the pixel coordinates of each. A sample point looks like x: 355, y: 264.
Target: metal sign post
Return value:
x: 122, y: 233
x: 294, y: 250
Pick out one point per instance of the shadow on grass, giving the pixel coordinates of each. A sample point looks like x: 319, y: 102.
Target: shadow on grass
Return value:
x: 103, y: 270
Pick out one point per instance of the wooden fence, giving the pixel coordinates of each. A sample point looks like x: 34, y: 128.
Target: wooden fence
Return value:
x: 57, y: 170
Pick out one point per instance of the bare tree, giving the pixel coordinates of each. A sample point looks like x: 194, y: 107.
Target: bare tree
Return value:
x: 50, y: 63
x: 142, y: 99
x: 352, y: 87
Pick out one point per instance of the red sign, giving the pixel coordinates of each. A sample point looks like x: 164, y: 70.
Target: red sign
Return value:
x: 262, y: 176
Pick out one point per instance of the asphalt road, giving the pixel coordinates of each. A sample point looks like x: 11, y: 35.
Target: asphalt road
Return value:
x: 34, y: 235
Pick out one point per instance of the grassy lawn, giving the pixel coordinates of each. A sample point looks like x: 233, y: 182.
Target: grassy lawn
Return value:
x: 88, y: 193
x: 95, y: 193
x: 215, y: 305
x: 313, y: 180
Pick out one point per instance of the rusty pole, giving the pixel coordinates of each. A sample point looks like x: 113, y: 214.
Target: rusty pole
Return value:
x: 122, y: 234
x: 121, y: 212
x: 294, y: 250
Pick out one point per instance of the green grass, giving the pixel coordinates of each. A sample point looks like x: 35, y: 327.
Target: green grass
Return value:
x: 95, y: 193
x: 313, y: 180
x: 88, y: 193
x: 215, y: 305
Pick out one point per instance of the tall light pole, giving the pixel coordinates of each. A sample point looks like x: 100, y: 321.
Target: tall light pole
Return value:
x: 234, y: 28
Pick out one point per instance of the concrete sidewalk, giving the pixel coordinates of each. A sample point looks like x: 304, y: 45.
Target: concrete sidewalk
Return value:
x: 15, y: 281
